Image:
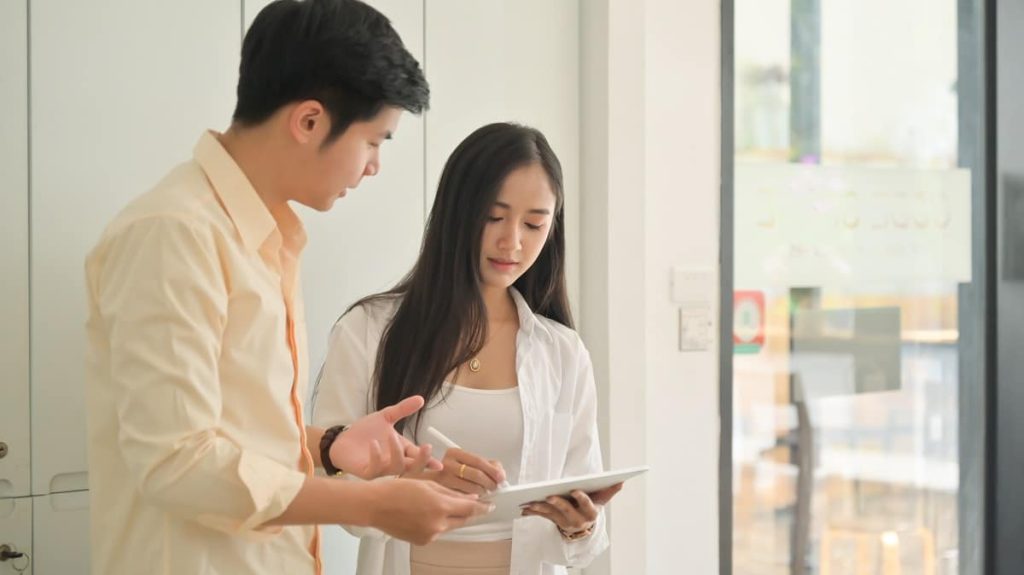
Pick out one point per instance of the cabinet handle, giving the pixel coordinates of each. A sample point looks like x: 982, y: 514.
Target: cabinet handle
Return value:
x: 10, y: 553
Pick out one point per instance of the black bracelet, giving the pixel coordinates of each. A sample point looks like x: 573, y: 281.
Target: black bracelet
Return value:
x: 330, y: 434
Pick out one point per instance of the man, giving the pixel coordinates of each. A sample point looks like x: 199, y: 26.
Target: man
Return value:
x: 199, y: 458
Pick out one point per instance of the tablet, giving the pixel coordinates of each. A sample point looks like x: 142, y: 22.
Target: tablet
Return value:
x: 507, y: 502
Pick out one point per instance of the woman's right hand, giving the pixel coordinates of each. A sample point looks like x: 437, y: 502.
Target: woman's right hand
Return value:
x: 466, y: 472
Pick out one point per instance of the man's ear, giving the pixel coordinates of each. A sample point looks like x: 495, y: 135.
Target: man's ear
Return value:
x: 308, y: 122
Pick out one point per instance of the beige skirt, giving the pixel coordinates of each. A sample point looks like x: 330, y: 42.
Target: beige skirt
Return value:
x: 462, y: 557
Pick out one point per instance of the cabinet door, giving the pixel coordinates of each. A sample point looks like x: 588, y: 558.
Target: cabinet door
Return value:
x: 121, y: 91
x: 506, y: 60
x: 371, y: 237
x: 250, y: 8
x: 14, y: 306
x: 60, y: 527
x: 16, y: 531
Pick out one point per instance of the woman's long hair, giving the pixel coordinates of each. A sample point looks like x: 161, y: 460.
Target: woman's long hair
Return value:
x: 441, y: 321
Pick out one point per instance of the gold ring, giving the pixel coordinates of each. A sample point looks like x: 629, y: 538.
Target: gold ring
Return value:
x: 462, y: 471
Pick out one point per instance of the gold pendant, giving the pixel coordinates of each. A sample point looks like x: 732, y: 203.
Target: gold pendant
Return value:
x: 474, y: 365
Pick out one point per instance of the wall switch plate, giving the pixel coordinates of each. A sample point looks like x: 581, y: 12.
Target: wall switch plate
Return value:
x: 693, y: 286
x: 696, y: 329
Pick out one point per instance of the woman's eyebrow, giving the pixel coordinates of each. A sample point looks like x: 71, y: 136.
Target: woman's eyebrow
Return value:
x: 541, y: 211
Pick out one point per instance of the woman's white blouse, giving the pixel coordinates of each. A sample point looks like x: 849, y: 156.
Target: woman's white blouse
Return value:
x: 560, y: 438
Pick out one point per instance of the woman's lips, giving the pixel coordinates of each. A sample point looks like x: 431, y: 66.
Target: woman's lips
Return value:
x: 502, y: 265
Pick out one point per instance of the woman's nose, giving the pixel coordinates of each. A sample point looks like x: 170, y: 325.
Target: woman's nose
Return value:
x: 510, y: 238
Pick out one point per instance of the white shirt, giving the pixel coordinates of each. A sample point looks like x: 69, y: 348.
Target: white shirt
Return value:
x: 559, y: 415
x: 488, y: 422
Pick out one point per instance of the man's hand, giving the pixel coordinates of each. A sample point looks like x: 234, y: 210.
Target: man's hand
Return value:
x: 419, y: 511
x: 371, y: 447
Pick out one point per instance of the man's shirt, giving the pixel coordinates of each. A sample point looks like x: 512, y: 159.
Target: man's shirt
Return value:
x: 197, y: 361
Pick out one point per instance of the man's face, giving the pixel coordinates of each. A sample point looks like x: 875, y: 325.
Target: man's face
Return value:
x: 328, y: 172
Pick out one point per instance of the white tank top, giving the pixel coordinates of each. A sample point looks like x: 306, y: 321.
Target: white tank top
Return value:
x: 488, y: 423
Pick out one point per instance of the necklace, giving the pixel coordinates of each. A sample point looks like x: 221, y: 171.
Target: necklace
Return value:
x: 475, y: 365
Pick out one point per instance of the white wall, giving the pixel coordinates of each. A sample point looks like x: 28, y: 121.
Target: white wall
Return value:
x: 650, y: 139
x: 683, y: 190
x: 506, y: 60
x: 613, y: 255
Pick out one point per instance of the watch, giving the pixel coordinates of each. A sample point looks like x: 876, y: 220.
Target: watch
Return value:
x: 326, y: 440
x: 576, y: 535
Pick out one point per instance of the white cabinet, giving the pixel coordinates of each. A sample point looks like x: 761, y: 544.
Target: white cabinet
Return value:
x: 367, y: 242
x: 120, y: 92
x: 60, y: 526
x: 371, y: 237
x: 506, y: 60
x: 16, y: 531
x: 53, y: 530
x: 14, y: 322
x: 485, y: 61
x: 249, y: 10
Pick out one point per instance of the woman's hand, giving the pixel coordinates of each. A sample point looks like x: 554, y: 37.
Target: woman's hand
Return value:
x: 576, y: 516
x: 465, y: 472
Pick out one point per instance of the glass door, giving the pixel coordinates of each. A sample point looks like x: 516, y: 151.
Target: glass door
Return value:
x: 857, y: 385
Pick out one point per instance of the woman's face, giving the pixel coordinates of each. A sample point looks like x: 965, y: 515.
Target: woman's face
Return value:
x: 518, y: 226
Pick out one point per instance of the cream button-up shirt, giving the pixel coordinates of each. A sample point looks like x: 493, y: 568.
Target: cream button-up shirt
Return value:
x: 196, y: 365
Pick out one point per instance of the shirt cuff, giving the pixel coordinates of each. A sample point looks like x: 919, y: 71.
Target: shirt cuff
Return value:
x: 271, y: 487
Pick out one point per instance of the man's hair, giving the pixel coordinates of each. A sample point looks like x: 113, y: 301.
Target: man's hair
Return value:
x: 341, y: 53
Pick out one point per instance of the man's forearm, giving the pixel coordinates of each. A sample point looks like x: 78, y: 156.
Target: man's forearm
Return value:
x: 323, y: 500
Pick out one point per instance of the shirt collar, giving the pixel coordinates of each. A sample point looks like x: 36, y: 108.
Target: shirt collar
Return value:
x: 253, y: 220
x: 528, y: 321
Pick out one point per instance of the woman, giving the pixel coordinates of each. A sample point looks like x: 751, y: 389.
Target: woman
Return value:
x: 481, y: 328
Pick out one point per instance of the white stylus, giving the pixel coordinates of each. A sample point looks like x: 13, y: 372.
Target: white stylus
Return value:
x: 448, y: 443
